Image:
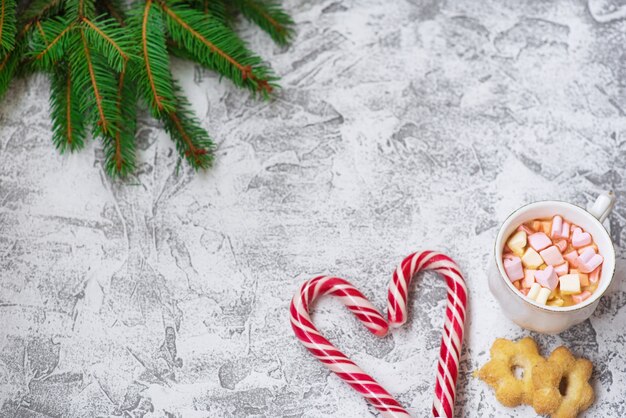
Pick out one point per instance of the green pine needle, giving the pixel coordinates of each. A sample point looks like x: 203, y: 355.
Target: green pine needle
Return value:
x: 40, y: 9
x: 68, y: 128
x: 8, y: 67
x: 270, y: 17
x: 102, y: 60
x: 113, y: 8
x: 49, y: 42
x: 8, y: 24
x: 152, y: 72
x: 192, y: 141
x: 79, y: 9
x: 110, y: 39
x: 95, y: 84
x: 215, y: 46
x: 215, y: 8
x: 119, y: 149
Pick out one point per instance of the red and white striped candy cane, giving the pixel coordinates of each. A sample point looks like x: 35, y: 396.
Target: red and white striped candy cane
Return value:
x: 454, y: 324
x: 332, y: 358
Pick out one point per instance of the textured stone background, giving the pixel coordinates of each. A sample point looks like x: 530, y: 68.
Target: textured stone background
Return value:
x: 401, y: 125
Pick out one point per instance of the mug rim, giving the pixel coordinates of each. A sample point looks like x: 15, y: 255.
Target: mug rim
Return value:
x: 595, y: 296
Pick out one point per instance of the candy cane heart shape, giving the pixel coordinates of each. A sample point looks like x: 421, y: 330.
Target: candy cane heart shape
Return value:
x: 330, y: 356
x: 454, y: 323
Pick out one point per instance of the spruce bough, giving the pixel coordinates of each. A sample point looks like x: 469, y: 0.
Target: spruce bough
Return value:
x: 103, y: 57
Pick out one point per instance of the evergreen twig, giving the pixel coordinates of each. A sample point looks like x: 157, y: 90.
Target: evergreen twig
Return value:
x: 101, y: 60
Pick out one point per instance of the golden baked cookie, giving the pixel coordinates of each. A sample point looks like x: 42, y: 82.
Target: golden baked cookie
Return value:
x: 562, y: 386
x: 499, y: 372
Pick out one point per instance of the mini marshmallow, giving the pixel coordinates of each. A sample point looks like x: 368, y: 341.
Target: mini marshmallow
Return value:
x: 584, y: 278
x: 546, y: 227
x: 580, y: 238
x: 572, y: 258
x: 543, y: 295
x: 547, y: 278
x: 589, y: 260
x: 529, y: 278
x: 526, y: 229
x: 582, y: 297
x: 517, y: 242
x: 570, y: 284
x: 594, y: 277
x: 536, y: 226
x: 539, y: 241
x: 513, y: 268
x: 531, y: 259
x: 557, y: 227
x: 552, y: 256
x: 534, y: 291
x: 561, y: 245
x: 565, y: 230
x: 561, y: 269
x: 593, y: 246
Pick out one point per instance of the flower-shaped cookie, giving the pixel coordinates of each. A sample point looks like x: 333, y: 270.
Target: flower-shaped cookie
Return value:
x: 562, y: 385
x: 499, y: 372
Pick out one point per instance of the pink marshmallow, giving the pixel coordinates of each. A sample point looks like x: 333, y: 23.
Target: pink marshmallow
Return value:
x: 539, y: 241
x: 529, y: 278
x: 552, y: 256
x: 580, y: 238
x: 562, y: 269
x: 588, y: 261
x: 526, y: 229
x: 594, y: 277
x: 557, y: 227
x: 513, y: 268
x: 572, y: 258
x: 581, y: 297
x: 547, y: 278
x: 561, y: 245
x: 565, y: 230
x: 508, y: 256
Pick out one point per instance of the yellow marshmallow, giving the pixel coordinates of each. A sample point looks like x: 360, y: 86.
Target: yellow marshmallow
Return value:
x: 534, y: 291
x: 517, y: 242
x: 570, y: 284
x: 543, y: 295
x: 531, y: 259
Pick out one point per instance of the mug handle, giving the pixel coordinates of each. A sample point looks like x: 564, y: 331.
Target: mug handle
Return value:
x: 603, y: 206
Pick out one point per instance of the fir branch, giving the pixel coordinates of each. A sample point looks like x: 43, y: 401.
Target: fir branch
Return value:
x: 8, y: 66
x: 270, y: 17
x: 95, y: 85
x: 192, y: 141
x: 152, y: 72
x: 215, y: 8
x: 68, y: 128
x: 119, y: 149
x: 110, y: 39
x: 79, y: 9
x: 215, y: 46
x: 49, y: 42
x: 8, y: 24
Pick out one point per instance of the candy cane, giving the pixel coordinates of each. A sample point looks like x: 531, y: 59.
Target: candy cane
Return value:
x: 346, y: 369
x: 452, y: 339
x: 330, y: 356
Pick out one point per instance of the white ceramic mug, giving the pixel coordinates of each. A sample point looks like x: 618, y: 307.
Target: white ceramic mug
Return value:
x: 541, y: 318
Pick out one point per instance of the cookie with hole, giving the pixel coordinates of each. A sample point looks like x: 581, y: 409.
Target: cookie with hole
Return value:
x: 562, y: 385
x: 510, y: 370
